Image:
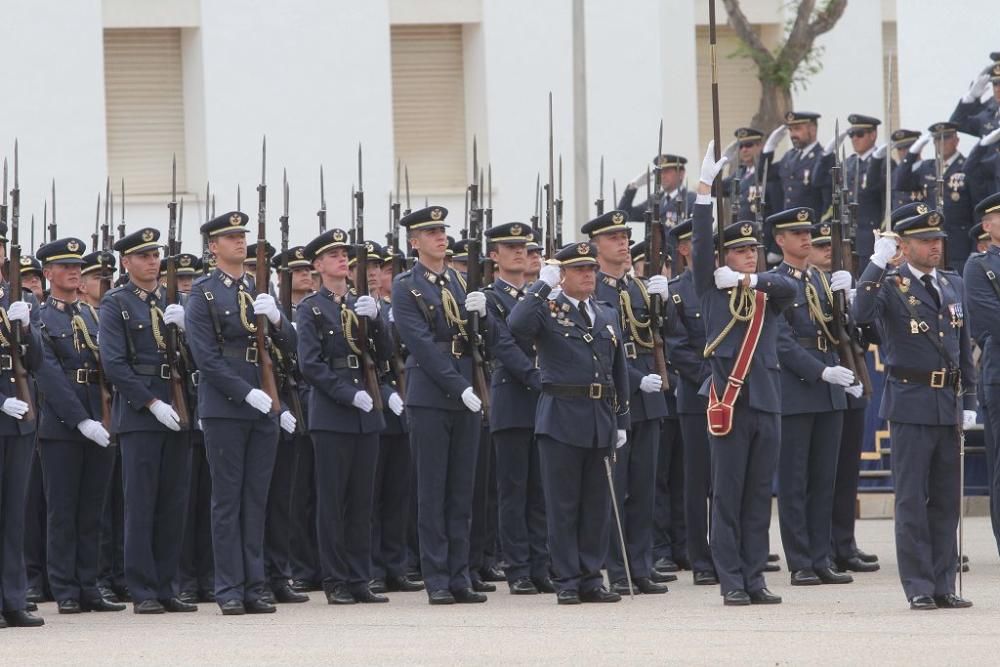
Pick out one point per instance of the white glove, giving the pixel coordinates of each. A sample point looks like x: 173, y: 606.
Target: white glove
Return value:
x: 650, y: 384
x: 475, y: 302
x: 851, y: 293
x: 288, y: 422
x: 880, y: 151
x: 709, y: 167
x: 174, y: 314
x: 362, y: 401
x: 166, y: 415
x: 392, y: 320
x: 471, y: 400
x: 726, y: 277
x: 19, y: 311
x: 621, y: 439
x: 265, y: 305
x: 838, y: 375
x: 659, y: 285
x: 968, y: 418
x: 258, y: 400
x: 775, y: 138
x: 14, y: 407
x: 549, y: 274
x: 554, y: 294
x: 365, y: 306
x: 639, y: 181
x: 977, y: 88
x: 395, y: 404
x: 840, y: 280
x: 919, y: 144
x: 885, y: 249
x: 94, y: 430
x: 834, y: 143
x: 729, y: 152
x: 774, y: 257
x: 988, y: 140
x: 855, y: 390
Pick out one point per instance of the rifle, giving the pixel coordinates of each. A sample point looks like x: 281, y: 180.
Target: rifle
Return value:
x: 22, y: 386
x: 352, y: 232
x: 488, y: 213
x: 206, y: 255
x: 550, y: 214
x: 398, y: 260
x: 473, y: 279
x: 654, y: 267
x: 716, y: 132
x: 178, y: 390
x: 321, y: 213
x: 406, y: 178
x: 559, y: 209
x: 599, y: 202
x: 938, y: 192
x: 536, y: 230
x: 268, y: 379
x: 103, y: 287
x: 180, y: 228
x: 290, y: 367
x: 368, y: 368
x: 97, y: 219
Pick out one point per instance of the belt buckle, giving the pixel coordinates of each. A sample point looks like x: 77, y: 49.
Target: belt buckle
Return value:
x: 164, y: 371
x: 821, y: 344
x: 596, y: 390
x: 352, y: 361
x: 588, y: 338
x: 6, y: 362
x: 251, y: 355
x: 81, y: 376
x: 630, y: 350
x: 456, y: 347
x: 937, y: 379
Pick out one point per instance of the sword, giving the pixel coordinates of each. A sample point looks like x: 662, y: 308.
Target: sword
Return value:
x: 618, y: 523
x: 961, y: 506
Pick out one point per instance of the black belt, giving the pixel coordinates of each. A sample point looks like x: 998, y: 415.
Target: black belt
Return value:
x: 457, y: 347
x: 938, y: 379
x: 161, y: 371
x: 84, y: 375
x: 818, y: 342
x: 247, y: 353
x: 350, y: 361
x: 595, y: 391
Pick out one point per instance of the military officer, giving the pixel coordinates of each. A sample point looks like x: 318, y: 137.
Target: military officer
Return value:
x: 32, y: 278
x: 813, y: 399
x: 675, y: 199
x: 984, y: 163
x: 749, y: 142
x: 73, y: 443
x: 238, y: 418
x: 920, y: 318
x: 534, y: 261
x: 794, y: 180
x: 187, y: 269
x: 869, y: 196
x: 741, y: 312
x: 444, y: 411
x: 516, y: 385
x: 635, y: 472
x: 898, y: 144
x: 153, y: 436
x: 972, y: 115
x: 582, y: 415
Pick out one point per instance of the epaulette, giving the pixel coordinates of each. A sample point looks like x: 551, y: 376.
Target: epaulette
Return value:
x: 202, y: 279
x: 307, y: 297
x: 115, y: 290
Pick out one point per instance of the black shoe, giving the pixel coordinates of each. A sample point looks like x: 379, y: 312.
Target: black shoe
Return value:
x: 965, y: 566
x: 830, y: 576
x: 267, y: 596
x: 492, y: 573
x: 232, y: 608
x: 340, y: 595
x: 922, y: 603
x: 683, y: 563
x: 738, y: 598
x: 600, y: 594
x: 100, y: 604
x: 377, y: 585
x: 69, y: 607
x: 284, y: 594
x: 24, y: 619
x: 855, y: 564
x: 866, y: 557
x: 259, y: 607
x: 367, y: 596
x: 661, y: 577
x: 121, y: 592
x: 206, y: 596
x: 949, y: 601
x: 773, y: 558
x: 305, y: 586
x: 403, y: 585
x: 415, y: 574
x: 30, y: 606
x: 567, y: 597
x: 148, y: 607
x: 647, y: 586
x: 523, y: 586
x: 764, y: 596
x: 442, y: 596
x: 620, y: 588
x: 705, y: 578
x: 805, y: 578
x: 666, y: 565
x: 35, y: 595
x: 108, y: 594
x: 468, y: 596
x: 176, y: 605
x: 544, y: 585
x: 480, y: 586
x: 191, y: 597
x: 772, y: 567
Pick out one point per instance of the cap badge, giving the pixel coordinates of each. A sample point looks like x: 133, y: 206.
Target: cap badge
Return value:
x: 436, y: 214
x: 515, y: 230
x: 235, y: 219
x: 618, y: 218
x: 802, y: 215
x: 338, y: 235
x: 147, y: 235
x: 934, y: 219
x: 25, y: 261
x: 824, y: 230
x: 185, y: 260
x: 921, y: 209
x: 298, y: 253
x: 583, y: 249
x: 746, y: 229
x: 72, y: 246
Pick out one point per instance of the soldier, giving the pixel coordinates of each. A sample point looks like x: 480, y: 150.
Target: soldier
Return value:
x: 534, y: 261
x: 442, y: 407
x: 17, y: 438
x: 981, y: 238
x: 972, y: 115
x: 635, y: 472
x: 925, y: 347
x: 187, y: 269
x: 155, y: 449
x: 984, y: 163
x: 250, y: 263
x: 744, y: 392
x: 516, y: 383
x: 675, y: 199
x: 73, y: 443
x: 863, y: 133
x: 812, y: 403
x: 749, y: 142
x: 36, y: 513
x: 794, y: 181
x: 582, y: 415
x: 31, y: 277
x: 241, y: 433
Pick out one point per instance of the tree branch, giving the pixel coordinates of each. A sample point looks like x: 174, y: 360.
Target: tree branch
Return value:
x: 804, y: 32
x: 828, y: 17
x: 744, y: 30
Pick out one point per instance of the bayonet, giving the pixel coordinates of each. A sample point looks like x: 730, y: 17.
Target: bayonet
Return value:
x: 97, y: 223
x: 52, y: 225
x: 406, y: 179
x: 599, y: 204
x: 321, y: 213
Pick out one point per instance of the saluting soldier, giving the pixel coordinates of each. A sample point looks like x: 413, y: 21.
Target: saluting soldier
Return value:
x: 443, y: 409
x: 73, y: 443
x: 241, y: 433
x: 813, y: 401
x: 675, y: 199
x: 920, y: 318
x: 863, y: 133
x: 155, y: 449
x: 749, y: 142
x: 516, y: 385
x: 742, y: 313
x: 582, y: 415
x: 973, y: 115
x: 635, y: 472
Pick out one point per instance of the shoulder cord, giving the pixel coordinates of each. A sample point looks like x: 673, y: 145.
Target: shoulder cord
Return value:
x: 742, y: 307
x: 816, y: 311
x: 244, y: 298
x: 452, y: 313
x: 629, y: 319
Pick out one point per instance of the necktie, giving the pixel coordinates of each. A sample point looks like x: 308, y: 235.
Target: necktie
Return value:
x: 929, y: 284
x: 585, y: 315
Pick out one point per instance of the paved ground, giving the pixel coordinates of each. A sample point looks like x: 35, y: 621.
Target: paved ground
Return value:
x: 867, y: 621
